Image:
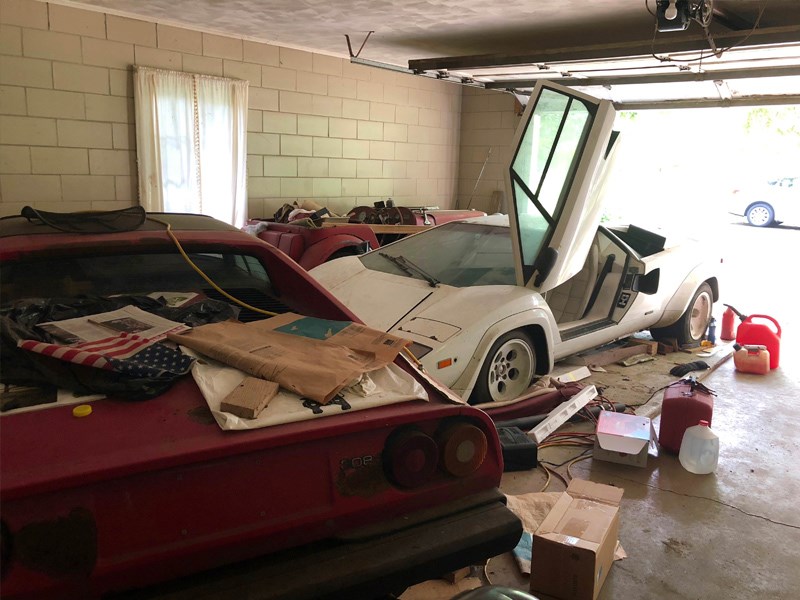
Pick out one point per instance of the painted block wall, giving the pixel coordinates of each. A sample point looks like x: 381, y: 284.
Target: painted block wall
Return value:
x: 319, y: 126
x: 489, y: 119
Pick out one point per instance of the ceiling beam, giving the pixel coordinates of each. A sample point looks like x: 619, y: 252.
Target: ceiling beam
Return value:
x: 681, y: 77
x: 662, y: 45
x: 731, y: 20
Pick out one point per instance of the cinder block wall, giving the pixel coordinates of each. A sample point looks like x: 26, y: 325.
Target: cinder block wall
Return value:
x: 488, y: 121
x: 319, y: 127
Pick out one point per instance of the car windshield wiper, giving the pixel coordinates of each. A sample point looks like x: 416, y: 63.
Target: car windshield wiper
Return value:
x: 409, y: 267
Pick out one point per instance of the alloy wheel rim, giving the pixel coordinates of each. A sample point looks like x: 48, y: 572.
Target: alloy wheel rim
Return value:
x: 511, y: 370
x: 701, y: 315
x: 759, y: 215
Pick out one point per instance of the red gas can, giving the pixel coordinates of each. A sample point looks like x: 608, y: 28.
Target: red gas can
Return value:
x: 728, y: 325
x: 686, y: 403
x: 759, y: 334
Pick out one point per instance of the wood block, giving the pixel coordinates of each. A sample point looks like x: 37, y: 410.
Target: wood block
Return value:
x: 668, y: 345
x: 649, y: 346
x: 250, y: 397
x: 603, y: 356
x: 456, y: 576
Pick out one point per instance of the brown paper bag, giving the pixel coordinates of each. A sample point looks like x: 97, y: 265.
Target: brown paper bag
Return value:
x: 312, y: 357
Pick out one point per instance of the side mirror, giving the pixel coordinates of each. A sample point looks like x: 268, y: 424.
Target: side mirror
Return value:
x: 544, y: 264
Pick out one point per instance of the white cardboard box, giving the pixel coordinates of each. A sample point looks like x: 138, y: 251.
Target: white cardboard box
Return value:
x: 624, y: 439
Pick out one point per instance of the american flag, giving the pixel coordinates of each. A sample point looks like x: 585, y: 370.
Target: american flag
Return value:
x: 125, y: 353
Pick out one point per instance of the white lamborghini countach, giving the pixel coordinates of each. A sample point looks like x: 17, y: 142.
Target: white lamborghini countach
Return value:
x: 490, y: 303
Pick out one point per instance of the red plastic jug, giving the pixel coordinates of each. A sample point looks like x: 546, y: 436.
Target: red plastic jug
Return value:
x: 685, y: 403
x: 759, y: 334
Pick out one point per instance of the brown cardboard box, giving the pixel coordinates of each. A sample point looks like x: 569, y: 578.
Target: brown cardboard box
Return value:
x: 573, y: 548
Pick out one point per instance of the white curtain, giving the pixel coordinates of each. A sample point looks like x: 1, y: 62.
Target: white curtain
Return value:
x: 191, y: 140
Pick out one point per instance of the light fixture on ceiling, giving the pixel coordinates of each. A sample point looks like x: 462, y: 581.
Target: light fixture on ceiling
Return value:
x: 671, y: 11
x: 675, y: 15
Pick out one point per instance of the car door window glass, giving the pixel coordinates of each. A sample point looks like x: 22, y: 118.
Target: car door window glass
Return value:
x: 545, y: 164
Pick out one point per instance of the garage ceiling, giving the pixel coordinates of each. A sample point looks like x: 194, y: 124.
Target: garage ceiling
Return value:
x: 749, y: 53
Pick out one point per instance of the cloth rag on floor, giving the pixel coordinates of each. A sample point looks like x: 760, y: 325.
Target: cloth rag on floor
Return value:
x: 681, y: 370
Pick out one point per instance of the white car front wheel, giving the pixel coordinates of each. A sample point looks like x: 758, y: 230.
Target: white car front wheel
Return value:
x: 507, y: 371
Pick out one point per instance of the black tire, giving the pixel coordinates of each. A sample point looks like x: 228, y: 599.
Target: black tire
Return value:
x: 692, y: 325
x: 508, y: 369
x: 760, y: 214
x: 342, y: 252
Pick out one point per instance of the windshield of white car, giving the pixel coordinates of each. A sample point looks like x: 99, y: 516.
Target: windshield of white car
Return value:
x: 411, y: 268
x: 458, y: 254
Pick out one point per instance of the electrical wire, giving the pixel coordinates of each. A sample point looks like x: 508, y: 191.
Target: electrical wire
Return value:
x: 559, y: 465
x: 203, y: 275
x: 413, y: 358
x: 564, y: 439
x: 226, y: 294
x: 719, y: 53
x: 547, y: 482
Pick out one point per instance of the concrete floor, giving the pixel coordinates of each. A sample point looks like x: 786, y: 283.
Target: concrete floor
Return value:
x: 734, y: 534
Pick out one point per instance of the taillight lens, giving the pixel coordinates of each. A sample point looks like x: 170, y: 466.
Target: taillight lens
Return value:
x: 463, y: 449
x: 410, y: 458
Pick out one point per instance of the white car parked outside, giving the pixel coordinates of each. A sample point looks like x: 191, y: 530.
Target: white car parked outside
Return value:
x: 774, y: 201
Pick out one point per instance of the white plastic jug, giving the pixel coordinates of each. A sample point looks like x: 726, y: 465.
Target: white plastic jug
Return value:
x: 699, y: 451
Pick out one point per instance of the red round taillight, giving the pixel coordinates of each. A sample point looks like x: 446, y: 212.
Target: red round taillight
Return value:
x: 410, y: 458
x: 463, y: 449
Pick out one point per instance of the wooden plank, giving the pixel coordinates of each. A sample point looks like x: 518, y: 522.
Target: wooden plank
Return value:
x: 604, y: 356
x: 250, y: 397
x: 398, y: 229
x: 649, y: 346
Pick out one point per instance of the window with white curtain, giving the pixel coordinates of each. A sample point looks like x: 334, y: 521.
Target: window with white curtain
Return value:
x: 191, y: 143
